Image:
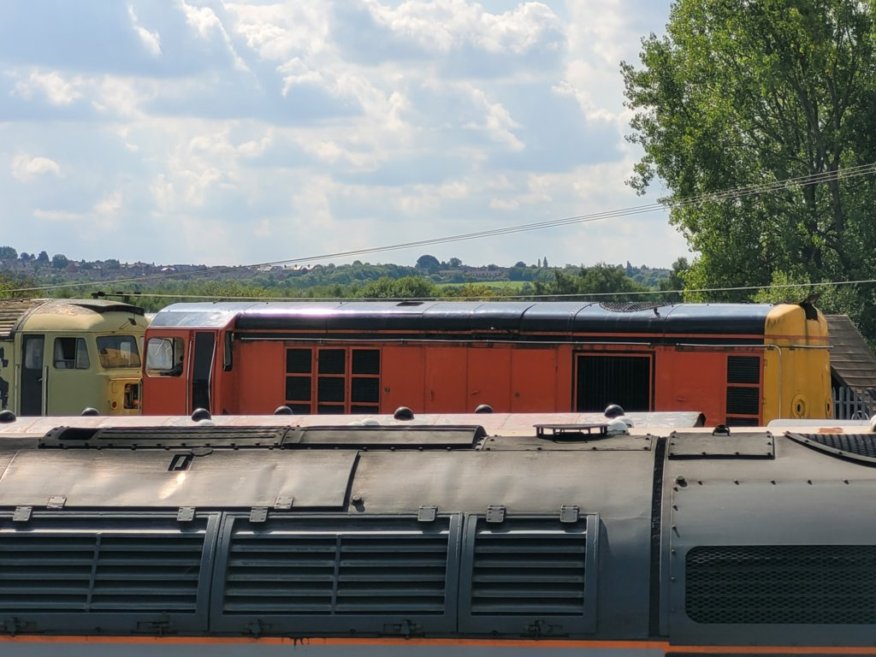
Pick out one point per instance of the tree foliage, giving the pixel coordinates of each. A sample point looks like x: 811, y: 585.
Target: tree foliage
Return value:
x: 428, y: 263
x: 407, y: 287
x: 605, y: 282
x: 745, y: 93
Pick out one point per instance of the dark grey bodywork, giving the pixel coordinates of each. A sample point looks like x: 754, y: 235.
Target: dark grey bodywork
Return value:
x: 443, y: 532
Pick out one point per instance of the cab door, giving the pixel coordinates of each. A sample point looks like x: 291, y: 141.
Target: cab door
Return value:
x: 32, y: 374
x: 167, y: 370
x: 202, y: 370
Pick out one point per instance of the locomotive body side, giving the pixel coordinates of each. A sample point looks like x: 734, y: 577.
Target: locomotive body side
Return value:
x: 434, y: 536
x: 739, y: 364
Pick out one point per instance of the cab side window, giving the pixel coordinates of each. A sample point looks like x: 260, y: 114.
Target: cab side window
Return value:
x: 33, y: 354
x: 164, y: 356
x: 70, y: 354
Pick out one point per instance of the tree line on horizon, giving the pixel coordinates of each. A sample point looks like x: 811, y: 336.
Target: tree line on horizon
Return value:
x: 429, y: 278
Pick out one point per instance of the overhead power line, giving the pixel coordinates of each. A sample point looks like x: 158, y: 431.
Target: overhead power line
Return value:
x: 512, y: 297
x: 737, y: 193
x: 726, y: 195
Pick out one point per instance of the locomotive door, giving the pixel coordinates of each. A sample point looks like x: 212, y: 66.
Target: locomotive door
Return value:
x: 604, y: 378
x: 202, y: 370
x: 166, y: 384
x: 32, y: 374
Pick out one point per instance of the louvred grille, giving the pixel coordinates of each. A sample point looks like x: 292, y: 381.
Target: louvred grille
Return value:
x: 46, y: 571
x: 520, y: 572
x: 284, y: 570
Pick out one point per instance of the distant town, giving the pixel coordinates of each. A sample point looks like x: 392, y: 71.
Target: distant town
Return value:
x: 24, y: 274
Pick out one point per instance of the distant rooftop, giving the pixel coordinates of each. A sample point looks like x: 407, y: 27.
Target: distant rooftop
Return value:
x: 852, y: 362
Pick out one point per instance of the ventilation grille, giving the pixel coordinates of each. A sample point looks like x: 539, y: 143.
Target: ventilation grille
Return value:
x: 743, y: 401
x: 629, y: 306
x: 821, y: 584
x: 743, y: 369
x: 101, y: 572
x: 529, y: 572
x: 329, y: 572
x: 860, y: 444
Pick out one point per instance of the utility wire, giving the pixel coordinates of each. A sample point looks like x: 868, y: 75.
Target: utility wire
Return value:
x: 701, y: 199
x: 512, y: 297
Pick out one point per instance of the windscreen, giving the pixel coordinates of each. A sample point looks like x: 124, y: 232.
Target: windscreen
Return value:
x: 117, y: 351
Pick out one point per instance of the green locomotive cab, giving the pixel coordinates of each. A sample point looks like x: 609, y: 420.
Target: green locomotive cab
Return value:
x: 62, y: 356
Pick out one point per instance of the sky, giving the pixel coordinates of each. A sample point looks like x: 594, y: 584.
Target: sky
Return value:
x: 233, y: 133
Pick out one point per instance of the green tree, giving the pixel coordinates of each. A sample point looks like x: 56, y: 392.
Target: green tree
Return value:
x: 407, y: 287
x: 605, y: 282
x: 6, y: 285
x: 60, y: 261
x: 603, y: 279
x: 675, y: 280
x: 428, y: 263
x: 744, y: 94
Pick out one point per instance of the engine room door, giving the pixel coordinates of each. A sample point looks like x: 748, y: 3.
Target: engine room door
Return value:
x: 613, y: 378
x: 202, y: 370
x: 32, y: 373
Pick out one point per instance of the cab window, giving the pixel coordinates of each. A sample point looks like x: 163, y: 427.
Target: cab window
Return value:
x: 117, y: 351
x: 70, y: 354
x: 33, y: 354
x: 164, y: 356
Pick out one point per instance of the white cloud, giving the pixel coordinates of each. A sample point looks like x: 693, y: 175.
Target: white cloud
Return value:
x: 29, y: 167
x: 151, y: 40
x: 283, y: 30
x: 120, y: 96
x: 297, y: 72
x: 498, y: 122
x: 358, y: 123
x: 596, y: 48
x: 205, y: 21
x: 101, y: 214
x: 110, y: 205
x: 56, y: 89
x: 443, y: 25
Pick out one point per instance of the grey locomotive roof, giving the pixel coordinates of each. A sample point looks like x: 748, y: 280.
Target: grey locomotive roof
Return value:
x: 464, y: 316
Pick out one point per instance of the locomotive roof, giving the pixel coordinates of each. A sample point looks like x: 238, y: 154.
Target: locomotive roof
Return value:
x: 15, y: 313
x: 550, y: 316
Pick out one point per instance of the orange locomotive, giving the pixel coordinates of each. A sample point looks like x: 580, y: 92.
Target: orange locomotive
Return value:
x: 739, y: 364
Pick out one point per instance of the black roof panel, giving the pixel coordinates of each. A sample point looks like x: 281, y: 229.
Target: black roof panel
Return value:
x: 450, y: 316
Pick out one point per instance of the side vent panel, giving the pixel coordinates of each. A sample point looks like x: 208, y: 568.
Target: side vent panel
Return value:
x: 529, y: 576
x: 798, y: 584
x: 115, y: 573
x: 338, y: 575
